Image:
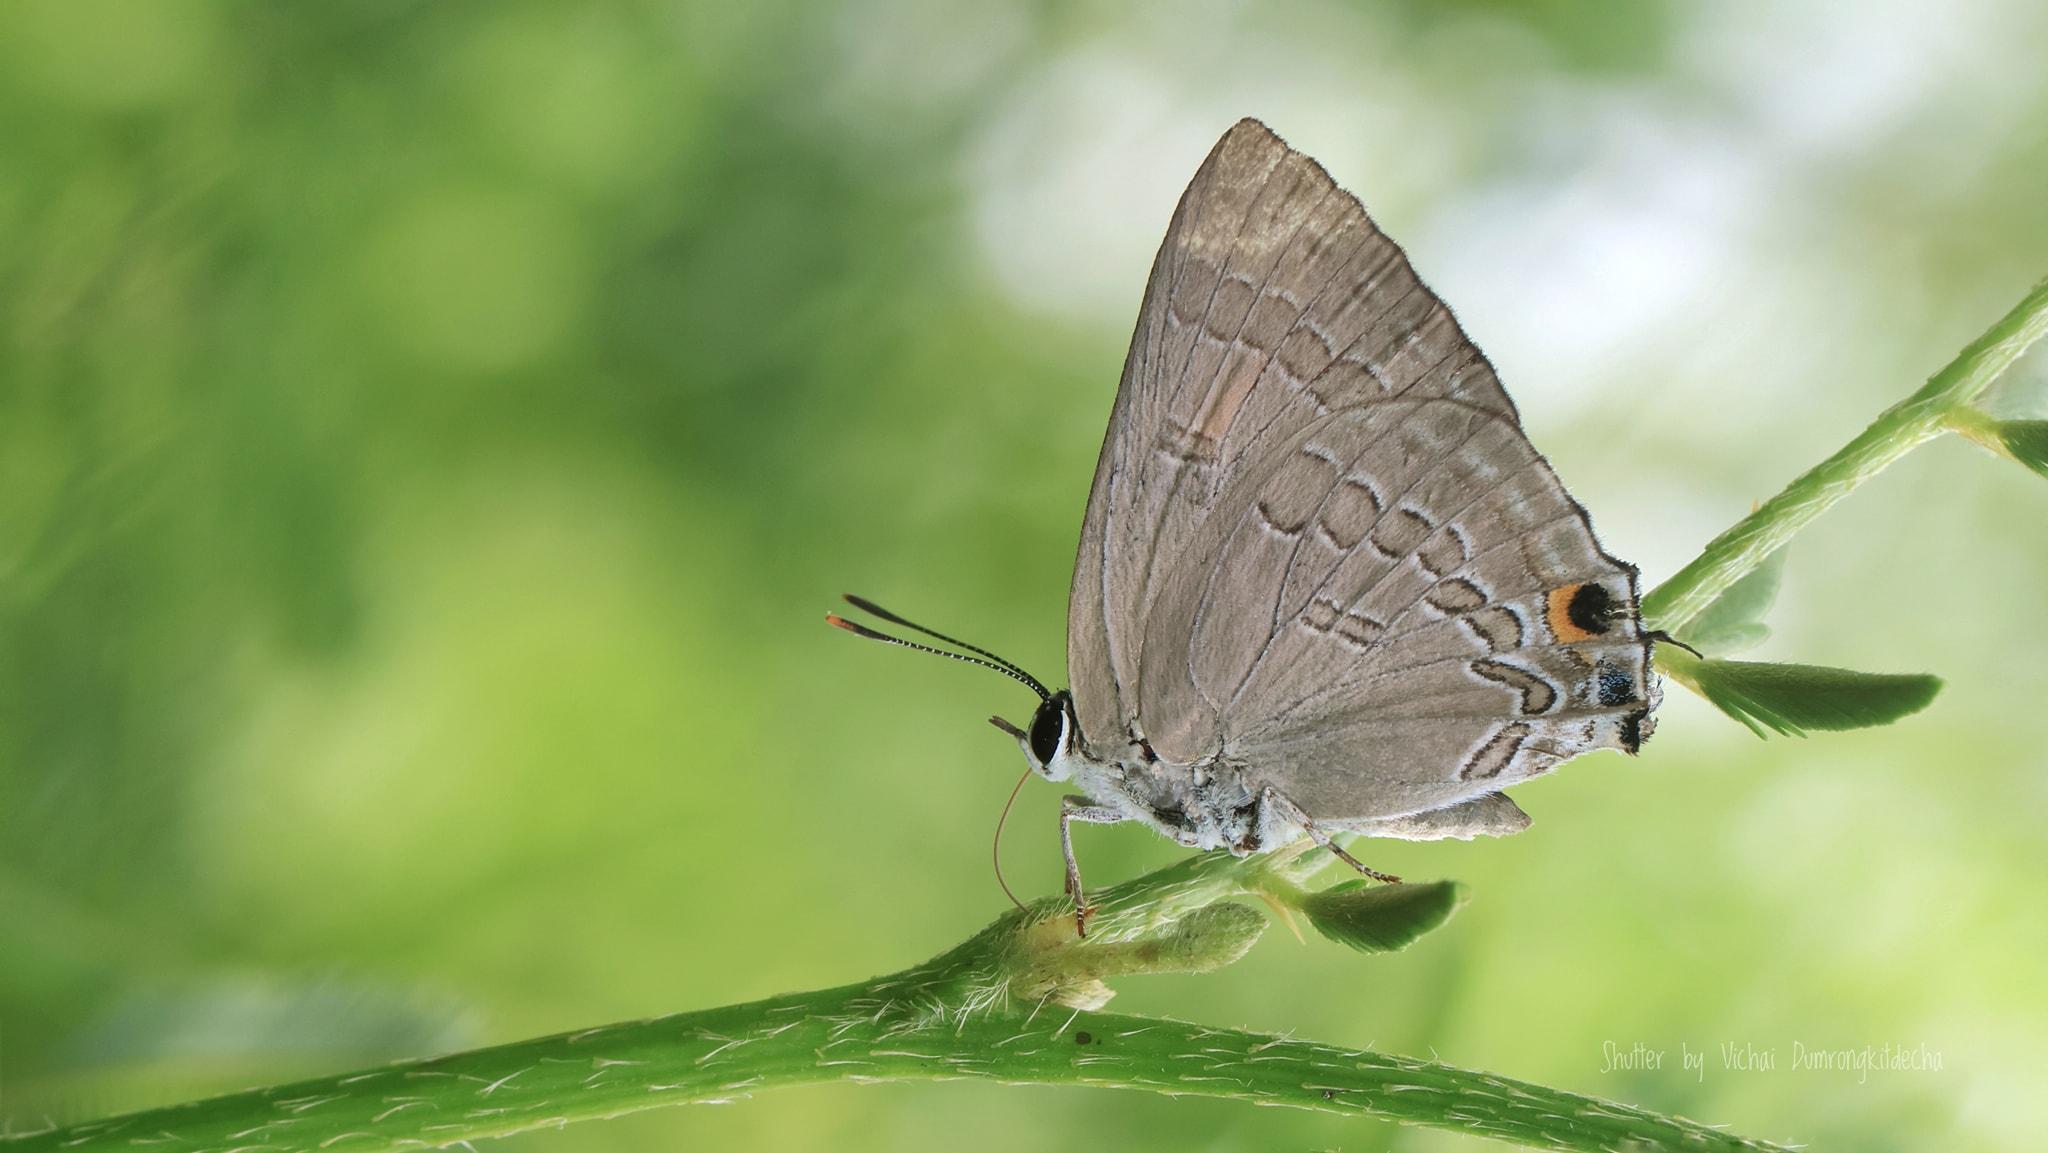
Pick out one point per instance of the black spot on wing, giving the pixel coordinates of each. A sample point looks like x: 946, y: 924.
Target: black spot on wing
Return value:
x: 1592, y: 608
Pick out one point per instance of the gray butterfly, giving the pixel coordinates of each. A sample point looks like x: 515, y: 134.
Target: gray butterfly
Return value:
x: 1325, y: 584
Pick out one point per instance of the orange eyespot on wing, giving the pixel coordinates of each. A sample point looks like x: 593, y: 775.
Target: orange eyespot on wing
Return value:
x: 1578, y: 612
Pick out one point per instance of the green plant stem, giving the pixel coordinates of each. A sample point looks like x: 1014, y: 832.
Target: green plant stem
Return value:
x: 1897, y: 431
x: 1015, y: 1003
x: 854, y: 1033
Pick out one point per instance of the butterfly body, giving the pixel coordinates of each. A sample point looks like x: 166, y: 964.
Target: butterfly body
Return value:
x: 1202, y: 806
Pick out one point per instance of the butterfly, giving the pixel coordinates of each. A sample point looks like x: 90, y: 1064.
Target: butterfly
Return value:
x: 1325, y: 584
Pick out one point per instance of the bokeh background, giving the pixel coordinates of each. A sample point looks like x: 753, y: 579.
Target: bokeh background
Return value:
x: 431, y: 433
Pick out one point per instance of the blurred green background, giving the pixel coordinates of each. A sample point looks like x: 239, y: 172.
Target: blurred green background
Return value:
x: 431, y: 433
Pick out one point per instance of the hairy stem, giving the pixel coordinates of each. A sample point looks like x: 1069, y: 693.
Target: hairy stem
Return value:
x: 1897, y: 431
x: 864, y: 1032
x: 1000, y: 1007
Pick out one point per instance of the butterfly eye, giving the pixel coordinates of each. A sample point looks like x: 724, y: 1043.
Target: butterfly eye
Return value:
x: 1047, y: 729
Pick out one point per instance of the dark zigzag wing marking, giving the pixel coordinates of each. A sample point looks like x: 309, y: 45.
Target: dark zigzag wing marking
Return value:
x: 1336, y: 568
x: 1420, y: 478
x: 1379, y: 497
x: 1229, y: 659
x: 1332, y: 429
x: 1364, y: 667
x: 1393, y: 568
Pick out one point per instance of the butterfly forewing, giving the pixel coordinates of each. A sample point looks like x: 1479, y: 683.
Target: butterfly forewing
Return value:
x: 1318, y: 544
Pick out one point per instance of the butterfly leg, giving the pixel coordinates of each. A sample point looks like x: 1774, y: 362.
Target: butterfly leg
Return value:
x: 1292, y: 812
x: 1073, y: 809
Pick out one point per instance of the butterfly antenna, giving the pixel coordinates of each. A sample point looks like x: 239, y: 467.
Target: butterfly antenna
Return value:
x: 996, y: 850
x: 1015, y: 670
x: 873, y: 609
x: 1014, y: 673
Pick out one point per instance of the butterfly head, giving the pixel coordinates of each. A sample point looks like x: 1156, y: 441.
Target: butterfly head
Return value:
x: 1050, y: 740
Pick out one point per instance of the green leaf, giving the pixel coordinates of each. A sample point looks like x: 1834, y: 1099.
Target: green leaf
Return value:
x: 1734, y: 638
x: 1380, y: 918
x: 1734, y: 620
x: 1793, y: 699
x: 2026, y: 441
